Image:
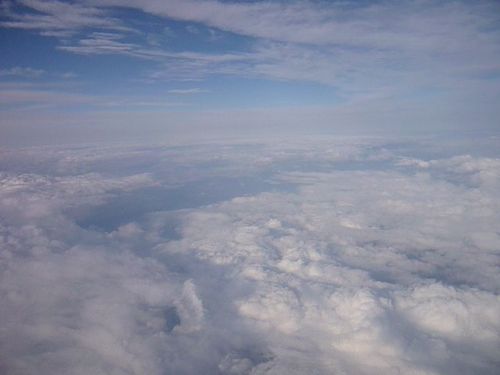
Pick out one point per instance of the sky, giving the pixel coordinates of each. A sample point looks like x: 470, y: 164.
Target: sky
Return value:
x: 249, y: 187
x: 103, y: 70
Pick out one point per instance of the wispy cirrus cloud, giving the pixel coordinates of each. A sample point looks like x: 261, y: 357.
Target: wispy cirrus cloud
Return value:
x: 406, y: 25
x: 191, y: 91
x: 24, y: 72
x: 16, y: 96
x: 358, y: 41
x: 56, y: 18
x: 99, y: 43
x: 394, y: 58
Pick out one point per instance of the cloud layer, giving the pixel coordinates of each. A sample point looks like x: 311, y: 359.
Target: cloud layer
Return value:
x: 398, y: 60
x: 344, y: 256
x: 354, y: 47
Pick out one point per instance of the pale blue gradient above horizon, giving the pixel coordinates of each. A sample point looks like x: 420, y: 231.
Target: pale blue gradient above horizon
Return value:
x: 101, y: 69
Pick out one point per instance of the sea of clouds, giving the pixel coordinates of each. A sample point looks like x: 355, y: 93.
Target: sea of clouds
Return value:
x: 334, y: 256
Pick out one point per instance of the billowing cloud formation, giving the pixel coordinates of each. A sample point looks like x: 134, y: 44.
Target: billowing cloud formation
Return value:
x: 341, y: 256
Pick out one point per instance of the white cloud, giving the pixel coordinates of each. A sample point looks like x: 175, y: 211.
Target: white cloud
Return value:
x: 100, y: 43
x: 319, y: 283
x: 38, y: 97
x: 407, y: 65
x: 404, y: 25
x: 367, y: 265
x: 395, y: 38
x: 19, y: 71
x: 57, y: 18
x: 385, y: 46
x: 17, y: 97
x: 195, y: 90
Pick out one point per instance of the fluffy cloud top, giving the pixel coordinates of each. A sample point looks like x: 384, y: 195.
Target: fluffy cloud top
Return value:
x: 355, y: 256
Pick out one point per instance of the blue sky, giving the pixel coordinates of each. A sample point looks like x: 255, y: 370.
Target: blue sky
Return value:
x: 365, y: 65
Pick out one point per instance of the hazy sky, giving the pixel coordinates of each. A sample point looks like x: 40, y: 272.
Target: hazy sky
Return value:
x: 93, y: 70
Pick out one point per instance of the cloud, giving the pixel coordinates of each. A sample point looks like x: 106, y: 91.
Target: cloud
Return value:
x: 195, y: 90
x: 21, y: 72
x: 101, y: 43
x: 363, y: 258
x: 351, y: 249
x: 192, y: 29
x: 17, y: 96
x: 400, y: 35
x: 69, y: 75
x: 383, y: 46
x: 407, y: 65
x: 56, y: 18
x: 95, y: 304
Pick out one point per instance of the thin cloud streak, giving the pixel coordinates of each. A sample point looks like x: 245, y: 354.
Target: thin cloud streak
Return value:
x: 373, y: 39
x: 15, y: 97
x: 191, y: 91
x: 20, y: 71
x: 401, y: 60
x: 57, y: 18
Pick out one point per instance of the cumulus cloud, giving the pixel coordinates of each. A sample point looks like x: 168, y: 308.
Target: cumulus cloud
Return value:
x: 358, y: 257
